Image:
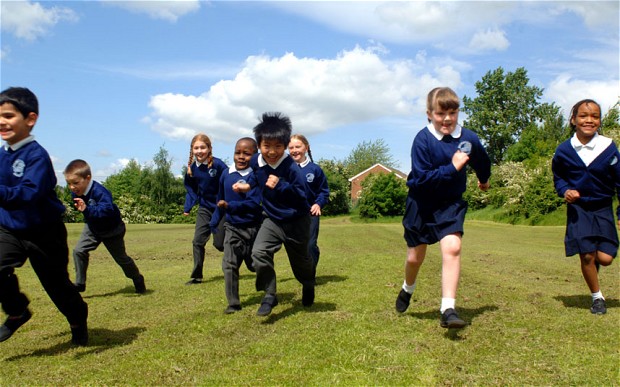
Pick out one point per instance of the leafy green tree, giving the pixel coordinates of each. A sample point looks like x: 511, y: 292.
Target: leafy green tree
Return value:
x: 383, y: 194
x: 503, y: 109
x: 126, y: 181
x: 610, y: 125
x: 367, y: 154
x: 339, y: 188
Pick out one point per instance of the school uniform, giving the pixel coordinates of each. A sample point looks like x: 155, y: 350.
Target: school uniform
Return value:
x: 103, y: 224
x: 317, y: 192
x: 202, y: 188
x: 243, y: 217
x: 287, y: 221
x: 592, y: 169
x: 434, y: 205
x: 31, y: 226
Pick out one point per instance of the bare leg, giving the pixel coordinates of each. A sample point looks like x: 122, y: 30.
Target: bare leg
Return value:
x: 451, y: 261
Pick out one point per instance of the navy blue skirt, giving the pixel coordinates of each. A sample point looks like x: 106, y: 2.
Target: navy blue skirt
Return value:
x: 429, y: 222
x: 590, y: 228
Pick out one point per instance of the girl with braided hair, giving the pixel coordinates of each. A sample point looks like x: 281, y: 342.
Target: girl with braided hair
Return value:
x: 202, y: 184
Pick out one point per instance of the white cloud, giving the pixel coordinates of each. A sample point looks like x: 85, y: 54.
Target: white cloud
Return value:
x: 491, y: 39
x: 29, y: 21
x: 565, y: 91
x: 595, y: 14
x: 318, y: 94
x: 165, y: 10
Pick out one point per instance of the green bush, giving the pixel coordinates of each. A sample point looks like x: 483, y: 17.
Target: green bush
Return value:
x: 383, y: 194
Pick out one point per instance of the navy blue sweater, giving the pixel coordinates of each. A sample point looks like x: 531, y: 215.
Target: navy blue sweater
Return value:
x: 317, y: 190
x: 243, y: 208
x: 433, y: 177
x: 27, y: 188
x: 287, y: 201
x: 101, y: 214
x: 596, y: 182
x: 202, y: 187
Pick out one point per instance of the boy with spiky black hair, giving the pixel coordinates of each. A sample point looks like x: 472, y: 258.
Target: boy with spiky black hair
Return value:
x: 31, y: 223
x: 287, y: 219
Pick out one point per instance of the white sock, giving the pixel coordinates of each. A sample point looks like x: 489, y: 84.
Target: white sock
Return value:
x: 597, y: 295
x: 408, y: 288
x: 447, y: 303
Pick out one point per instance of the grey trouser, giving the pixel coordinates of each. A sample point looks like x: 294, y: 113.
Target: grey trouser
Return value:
x: 202, y: 233
x: 294, y: 235
x: 237, y: 249
x: 113, y: 241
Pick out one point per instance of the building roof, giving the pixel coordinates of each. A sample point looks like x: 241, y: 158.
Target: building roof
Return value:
x: 398, y: 173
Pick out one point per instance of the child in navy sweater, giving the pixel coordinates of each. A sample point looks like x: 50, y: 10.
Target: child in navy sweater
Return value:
x: 586, y: 173
x: 202, y: 185
x: 287, y: 212
x: 317, y: 190
x: 31, y: 223
x: 103, y: 223
x: 243, y: 216
x: 435, y: 210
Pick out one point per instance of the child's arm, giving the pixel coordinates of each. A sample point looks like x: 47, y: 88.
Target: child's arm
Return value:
x: 100, y: 204
x: 38, y: 180
x: 191, y: 197
x: 322, y: 197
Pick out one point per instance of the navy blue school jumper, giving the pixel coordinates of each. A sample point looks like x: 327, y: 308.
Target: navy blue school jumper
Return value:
x: 202, y: 188
x: 434, y: 206
x: 317, y: 192
x: 243, y: 218
x: 590, y: 224
x: 31, y: 227
x: 103, y: 223
x: 287, y: 222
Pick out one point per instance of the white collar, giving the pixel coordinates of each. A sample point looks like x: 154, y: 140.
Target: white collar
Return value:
x: 305, y: 162
x: 90, y: 185
x: 19, y: 144
x: 262, y: 162
x: 438, y: 135
x: 243, y: 172
x: 574, y: 141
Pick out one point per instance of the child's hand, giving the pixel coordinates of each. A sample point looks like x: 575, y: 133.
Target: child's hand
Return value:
x: 241, y: 187
x: 222, y: 204
x: 272, y: 181
x: 459, y: 160
x: 79, y: 204
x: 571, y: 195
x: 186, y: 214
x: 315, y: 210
x: 484, y: 187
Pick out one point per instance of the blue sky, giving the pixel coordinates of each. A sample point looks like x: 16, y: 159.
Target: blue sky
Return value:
x: 116, y: 80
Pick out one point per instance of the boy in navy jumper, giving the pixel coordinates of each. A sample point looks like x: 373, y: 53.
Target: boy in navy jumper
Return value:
x: 586, y: 173
x: 243, y: 216
x: 287, y: 211
x: 103, y: 224
x: 435, y: 210
x: 317, y: 189
x: 31, y: 223
x: 202, y: 184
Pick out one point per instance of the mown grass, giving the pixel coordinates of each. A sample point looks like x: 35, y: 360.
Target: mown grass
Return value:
x: 527, y: 304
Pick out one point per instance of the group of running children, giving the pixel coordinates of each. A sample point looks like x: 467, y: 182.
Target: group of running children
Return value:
x: 272, y: 198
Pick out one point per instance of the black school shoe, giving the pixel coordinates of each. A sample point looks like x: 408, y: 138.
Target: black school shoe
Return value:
x: 267, y: 304
x: 12, y: 324
x: 403, y: 300
x: 449, y: 319
x: 79, y: 335
x: 232, y: 309
x: 80, y: 287
x: 194, y: 281
x: 307, y: 295
x: 598, y: 306
x: 138, y: 282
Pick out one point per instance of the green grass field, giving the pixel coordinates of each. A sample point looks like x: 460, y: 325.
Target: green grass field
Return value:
x: 528, y: 307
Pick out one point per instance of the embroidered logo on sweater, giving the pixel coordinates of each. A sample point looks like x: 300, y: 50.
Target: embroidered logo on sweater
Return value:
x: 614, y: 161
x: 465, y: 147
x: 212, y: 172
x: 310, y: 177
x: 18, y: 168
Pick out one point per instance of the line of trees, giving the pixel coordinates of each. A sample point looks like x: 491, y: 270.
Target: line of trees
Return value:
x: 519, y: 132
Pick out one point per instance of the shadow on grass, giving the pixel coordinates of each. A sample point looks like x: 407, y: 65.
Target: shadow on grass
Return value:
x: 467, y: 314
x: 320, y: 280
x: 128, y: 290
x: 99, y: 340
x: 584, y: 301
x: 293, y: 305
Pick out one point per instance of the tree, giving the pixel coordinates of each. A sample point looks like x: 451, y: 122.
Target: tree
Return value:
x: 367, y: 154
x: 126, y: 181
x: 339, y: 188
x: 610, y: 125
x: 504, y: 107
